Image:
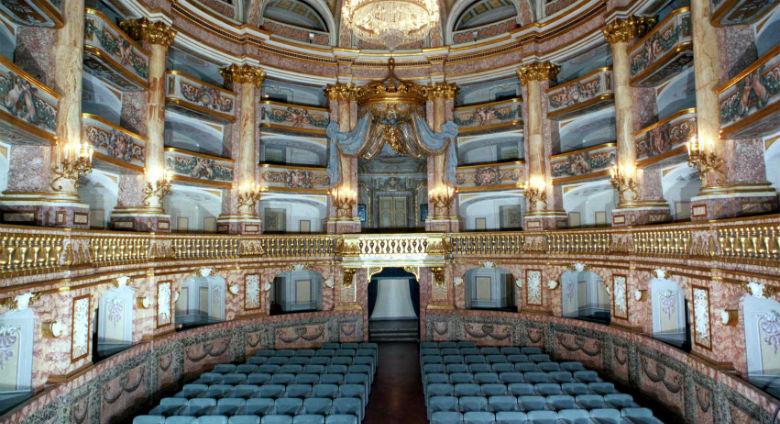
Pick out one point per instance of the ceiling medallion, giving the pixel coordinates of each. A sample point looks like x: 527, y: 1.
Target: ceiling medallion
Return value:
x: 390, y: 22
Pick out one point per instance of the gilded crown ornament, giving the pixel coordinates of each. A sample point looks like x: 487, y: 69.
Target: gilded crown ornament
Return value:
x: 242, y: 74
x: 537, y: 71
x: 150, y: 31
x: 392, y: 89
x: 626, y: 29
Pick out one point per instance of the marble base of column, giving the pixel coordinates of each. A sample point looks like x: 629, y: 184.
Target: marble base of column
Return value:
x: 641, y: 213
x: 343, y: 226
x: 141, y: 219
x: 545, y: 220
x: 437, y: 225
x: 239, y: 224
x: 730, y: 202
x: 44, y: 209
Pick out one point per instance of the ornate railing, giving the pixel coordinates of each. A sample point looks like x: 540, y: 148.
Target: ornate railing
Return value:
x: 490, y: 176
x: 488, y: 244
x: 27, y: 107
x: 589, y: 92
x: 112, y: 143
x: 750, y: 102
x: 199, y: 98
x: 485, y: 31
x: 583, y: 162
x: 665, y: 137
x: 485, y: 117
x: 291, y: 117
x: 111, y: 55
x: 43, y: 13
x: 294, y: 178
x: 294, y: 33
x: 664, y: 51
x: 738, y: 12
x: 201, y: 167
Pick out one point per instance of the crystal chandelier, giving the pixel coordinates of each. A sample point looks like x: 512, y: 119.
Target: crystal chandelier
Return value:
x: 390, y: 22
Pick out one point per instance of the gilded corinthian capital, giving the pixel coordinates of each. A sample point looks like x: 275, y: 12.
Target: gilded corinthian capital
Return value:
x: 626, y: 29
x: 537, y: 71
x: 242, y: 74
x: 341, y: 92
x: 441, y: 90
x: 149, y: 31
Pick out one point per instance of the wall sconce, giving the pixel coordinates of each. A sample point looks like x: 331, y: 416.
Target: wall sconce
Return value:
x: 552, y: 284
x: 624, y: 180
x: 158, y: 185
x: 457, y: 281
x: 639, y: 295
x: 249, y: 195
x: 76, y: 162
x: 474, y: 35
x: 728, y: 317
x: 344, y: 199
x: 329, y: 283
x: 53, y: 329
x: 233, y: 289
x: 441, y: 197
x: 349, y: 275
x: 535, y: 190
x: 311, y: 37
x: 144, y: 302
x: 701, y: 157
x: 438, y: 275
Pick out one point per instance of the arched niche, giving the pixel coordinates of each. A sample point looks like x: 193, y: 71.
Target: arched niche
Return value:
x: 491, y: 210
x: 99, y: 190
x: 490, y: 288
x: 680, y: 183
x: 314, y: 15
x: 486, y: 148
x: 678, y: 94
x: 584, y: 296
x: 597, y: 128
x: 589, y: 204
x: 771, y: 158
x: 761, y: 319
x: 468, y: 14
x: 670, y: 312
x: 299, y: 290
x: 201, y: 300
x: 293, y: 213
x: 16, y: 353
x: 98, y: 98
x: 768, y: 37
x: 115, y: 320
x: 193, y: 208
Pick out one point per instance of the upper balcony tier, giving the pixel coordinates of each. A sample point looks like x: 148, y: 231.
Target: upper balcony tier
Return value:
x: 27, y: 107
x: 750, y: 102
x: 585, y: 163
x: 490, y: 176
x: 294, y: 178
x: 114, y: 146
x: 589, y: 92
x: 486, y: 31
x: 199, y: 168
x: 489, y: 117
x: 738, y: 12
x: 200, y: 99
x: 665, y: 138
x: 43, y: 13
x: 664, y: 51
x: 111, y: 55
x: 284, y: 117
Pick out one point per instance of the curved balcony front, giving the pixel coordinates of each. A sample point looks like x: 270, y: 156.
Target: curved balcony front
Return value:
x: 490, y: 176
x: 582, y: 164
x: 115, y: 147
x: 294, y: 178
x: 738, y: 12
x: 43, y: 13
x: 199, y: 168
x: 489, y: 117
x: 584, y: 94
x: 27, y: 107
x: 664, y: 51
x: 665, y: 138
x: 112, y: 55
x: 285, y: 117
x: 199, y: 99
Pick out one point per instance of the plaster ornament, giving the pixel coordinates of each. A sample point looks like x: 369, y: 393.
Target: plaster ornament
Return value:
x: 579, y: 266
x: 725, y: 316
x: 205, y: 272
x: 175, y: 295
x: 144, y: 302
x: 552, y: 284
x: 488, y: 264
x: 266, y: 287
x: 757, y: 289
x: 54, y: 329
x: 660, y: 273
x: 23, y: 301
x: 519, y: 283
x: 298, y: 267
x: 329, y: 283
x: 639, y: 295
x: 122, y: 281
x: 457, y: 281
x: 233, y: 288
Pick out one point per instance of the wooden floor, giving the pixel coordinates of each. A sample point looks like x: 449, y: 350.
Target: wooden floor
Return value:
x: 397, y: 395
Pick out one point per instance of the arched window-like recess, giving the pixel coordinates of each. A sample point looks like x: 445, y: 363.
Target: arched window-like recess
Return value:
x: 16, y: 352
x: 466, y: 16
x: 296, y: 13
x: 670, y: 313
x: 114, y: 321
x: 490, y: 288
x: 201, y: 301
x: 762, y: 342
x: 296, y: 291
x: 585, y: 297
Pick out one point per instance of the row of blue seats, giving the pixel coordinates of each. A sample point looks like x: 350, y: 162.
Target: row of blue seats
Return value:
x: 311, y: 360
x: 460, y: 343
x: 506, y: 403
x: 484, y: 359
x: 567, y: 416
x: 484, y: 350
x: 274, y: 391
x: 521, y: 389
x: 532, y: 377
x: 248, y: 419
x: 571, y: 366
x: 284, y: 378
x: 259, y: 406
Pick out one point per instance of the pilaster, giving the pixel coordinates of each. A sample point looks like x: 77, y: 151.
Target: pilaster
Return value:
x: 442, y: 199
x: 342, y: 208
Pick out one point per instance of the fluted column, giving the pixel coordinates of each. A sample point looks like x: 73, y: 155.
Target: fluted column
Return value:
x: 342, y: 208
x: 241, y: 214
x: 538, y: 189
x: 639, y: 194
x: 43, y: 181
x: 442, y: 199
x: 731, y: 185
x: 142, y: 209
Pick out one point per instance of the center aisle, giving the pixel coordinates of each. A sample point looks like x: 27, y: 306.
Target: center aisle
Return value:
x: 397, y: 395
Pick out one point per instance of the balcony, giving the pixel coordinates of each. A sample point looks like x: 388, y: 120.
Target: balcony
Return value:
x: 489, y: 117
x: 666, y: 137
x: 490, y: 176
x: 586, y: 163
x: 587, y: 93
x: 485, y: 31
x: 199, y: 168
x: 750, y: 102
x: 200, y: 99
x: 294, y: 178
x: 114, y: 146
x: 41, y: 13
x: 290, y: 32
x: 738, y: 12
x: 286, y: 117
x: 112, y: 56
x: 663, y: 52
x: 28, y: 108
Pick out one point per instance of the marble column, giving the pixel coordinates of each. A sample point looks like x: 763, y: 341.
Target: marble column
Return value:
x: 43, y: 181
x: 640, y: 195
x: 442, y: 199
x: 342, y: 201
x: 140, y: 206
x: 241, y: 216
x: 731, y: 183
x: 539, y: 192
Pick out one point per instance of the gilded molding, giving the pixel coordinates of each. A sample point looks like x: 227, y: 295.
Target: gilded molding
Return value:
x: 242, y: 74
x: 626, y: 29
x: 341, y: 91
x: 537, y: 71
x: 442, y: 90
x: 149, y: 31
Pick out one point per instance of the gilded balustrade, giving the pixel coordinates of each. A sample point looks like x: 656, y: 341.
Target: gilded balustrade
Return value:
x: 502, y: 244
x: 754, y: 242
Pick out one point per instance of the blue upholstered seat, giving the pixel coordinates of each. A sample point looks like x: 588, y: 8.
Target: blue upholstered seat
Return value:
x: 348, y: 406
x: 149, y: 419
x: 258, y: 406
x: 493, y: 389
x: 575, y: 389
x: 516, y: 417
x: 213, y: 419
x: 244, y: 419
x: 502, y: 403
x: 317, y: 405
x: 341, y: 419
x: 271, y: 391
x: 442, y: 403
x: 181, y: 419
x: 531, y: 403
x: 620, y: 400
x: 467, y: 389
x: 229, y: 406
x: 472, y: 403
x: 325, y: 390
x: 574, y: 416
x: 479, y: 417
x: 561, y: 402
x: 548, y: 389
x: 606, y: 416
x: 590, y: 401
x: 542, y: 417
x: 224, y: 368
x: 288, y: 406
x: 309, y: 419
x: 639, y: 415
x: 446, y: 417
x: 277, y: 419
x: 521, y: 389
x: 301, y: 391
